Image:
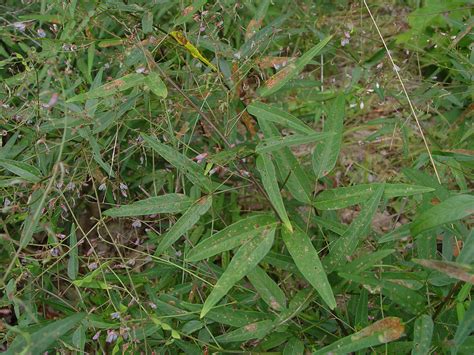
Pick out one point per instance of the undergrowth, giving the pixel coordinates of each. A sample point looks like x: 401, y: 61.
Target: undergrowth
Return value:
x: 217, y: 176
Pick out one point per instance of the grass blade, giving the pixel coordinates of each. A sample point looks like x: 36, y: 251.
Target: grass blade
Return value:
x: 231, y: 237
x: 450, y: 210
x: 307, y: 260
x: 73, y: 262
x: 277, y: 81
x: 343, y: 197
x: 245, y: 260
x: 325, y: 157
x: 422, y: 335
x: 267, y: 171
x: 381, y: 332
x: 184, y: 223
x: 169, y: 203
x: 347, y: 243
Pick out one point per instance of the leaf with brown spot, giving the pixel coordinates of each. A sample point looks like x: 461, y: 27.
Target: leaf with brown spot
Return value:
x: 245, y: 260
x: 455, y: 270
x: 231, y: 237
x: 277, y: 81
x: 251, y: 331
x: 126, y: 82
x: 381, y: 332
x: 189, y: 11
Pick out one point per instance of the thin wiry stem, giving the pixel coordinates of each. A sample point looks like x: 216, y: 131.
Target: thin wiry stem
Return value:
x: 412, y: 108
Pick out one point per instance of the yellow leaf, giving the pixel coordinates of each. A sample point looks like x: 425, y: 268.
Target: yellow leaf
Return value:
x: 182, y: 40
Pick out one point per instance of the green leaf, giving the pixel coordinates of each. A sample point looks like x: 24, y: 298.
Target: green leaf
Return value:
x: 450, y: 210
x: 156, y: 85
x: 41, y: 340
x: 409, y: 299
x: 73, y: 262
x: 267, y: 171
x: 21, y: 169
x: 367, y: 261
x: 111, y: 88
x: 251, y: 331
x: 274, y: 143
x: 464, y: 329
x: 291, y: 172
x: 307, y: 260
x: 294, y: 347
x: 86, y: 133
x: 422, y: 335
x: 184, y: 223
x: 245, y: 260
x: 325, y: 156
x: 147, y: 22
x: 169, y: 203
x: 190, y: 169
x: 346, y: 245
x: 272, y: 114
x: 231, y: 237
x: 381, y: 332
x: 38, y: 199
x: 277, y: 81
x: 267, y: 289
x: 343, y: 197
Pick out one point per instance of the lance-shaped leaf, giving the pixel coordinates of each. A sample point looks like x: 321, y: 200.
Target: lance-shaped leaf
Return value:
x: 291, y: 172
x: 450, y: 210
x: 381, y: 332
x: 409, y: 299
x: 294, y: 347
x: 245, y: 260
x: 156, y: 85
x: 272, y: 114
x: 73, y: 262
x: 325, y: 156
x: 343, y: 197
x: 307, y: 260
x: 38, y: 199
x: 267, y: 289
x: 464, y: 329
x: 267, y: 171
x: 274, y: 143
x: 345, y: 246
x: 277, y: 81
x: 231, y: 237
x: 22, y: 169
x: 184, y: 223
x: 190, y: 169
x: 111, y: 88
x: 422, y: 335
x: 455, y: 270
x: 255, y: 330
x: 169, y: 203
x: 42, y: 339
